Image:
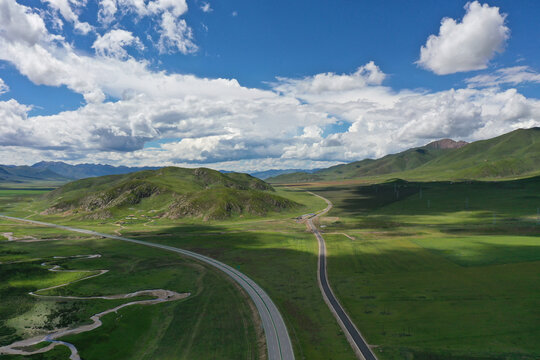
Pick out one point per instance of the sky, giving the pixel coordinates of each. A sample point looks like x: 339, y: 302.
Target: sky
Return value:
x: 251, y: 85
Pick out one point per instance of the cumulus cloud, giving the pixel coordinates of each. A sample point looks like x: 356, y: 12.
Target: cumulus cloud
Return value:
x: 507, y: 76
x: 337, y: 88
x: 384, y: 121
x: 174, y: 32
x: 218, y: 122
x: 112, y: 43
x: 466, y: 45
x: 107, y: 11
x: 19, y: 24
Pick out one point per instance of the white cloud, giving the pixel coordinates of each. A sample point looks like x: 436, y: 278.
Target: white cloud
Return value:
x: 19, y: 24
x: 64, y: 7
x: 112, y: 43
x: 175, y: 7
x: 107, y: 11
x: 383, y: 121
x: 510, y: 76
x: 205, y: 7
x: 3, y: 87
x: 363, y: 84
x: 218, y: 122
x: 466, y: 45
x: 369, y: 74
x: 175, y: 34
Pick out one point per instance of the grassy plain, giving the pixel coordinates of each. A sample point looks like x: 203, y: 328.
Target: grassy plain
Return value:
x: 215, y: 321
x: 275, y: 251
x: 439, y: 270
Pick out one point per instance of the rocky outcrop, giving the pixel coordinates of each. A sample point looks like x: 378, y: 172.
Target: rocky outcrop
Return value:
x: 446, y: 144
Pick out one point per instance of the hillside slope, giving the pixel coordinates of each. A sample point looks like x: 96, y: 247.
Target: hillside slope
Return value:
x: 168, y: 192
x: 515, y: 154
x: 403, y: 161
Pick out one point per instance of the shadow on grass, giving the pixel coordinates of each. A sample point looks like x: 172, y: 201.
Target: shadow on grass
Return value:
x: 288, y: 274
x: 435, y: 198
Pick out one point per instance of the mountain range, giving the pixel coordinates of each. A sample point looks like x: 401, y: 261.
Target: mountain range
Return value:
x: 515, y: 154
x: 60, y: 172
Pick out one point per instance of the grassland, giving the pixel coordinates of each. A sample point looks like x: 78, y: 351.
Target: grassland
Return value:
x: 215, y: 321
x: 168, y: 192
x: 439, y: 270
x: 434, y: 270
x: 275, y: 251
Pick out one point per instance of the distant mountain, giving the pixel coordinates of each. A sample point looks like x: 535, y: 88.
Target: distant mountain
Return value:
x: 26, y: 174
x: 169, y: 192
x: 515, y: 154
x: 59, y: 172
x: 82, y: 171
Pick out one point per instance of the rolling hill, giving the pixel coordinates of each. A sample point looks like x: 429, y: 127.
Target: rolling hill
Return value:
x: 515, y: 154
x: 393, y: 163
x: 168, y: 192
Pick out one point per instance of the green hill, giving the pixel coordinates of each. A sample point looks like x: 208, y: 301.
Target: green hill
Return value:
x: 168, y: 192
x: 389, y: 164
x: 515, y: 154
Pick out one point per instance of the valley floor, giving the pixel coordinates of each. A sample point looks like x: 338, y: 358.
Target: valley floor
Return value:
x: 425, y: 270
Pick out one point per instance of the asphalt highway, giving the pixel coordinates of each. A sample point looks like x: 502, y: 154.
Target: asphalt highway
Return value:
x: 358, y: 343
x: 278, y: 341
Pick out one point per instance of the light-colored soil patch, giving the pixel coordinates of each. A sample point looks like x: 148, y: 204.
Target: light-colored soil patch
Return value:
x: 341, y: 233
x: 10, y: 237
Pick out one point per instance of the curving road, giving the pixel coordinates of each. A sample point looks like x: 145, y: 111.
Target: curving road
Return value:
x: 278, y: 341
x: 357, y: 341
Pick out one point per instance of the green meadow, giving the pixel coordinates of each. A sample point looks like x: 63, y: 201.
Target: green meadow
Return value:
x: 215, y: 321
x: 435, y: 270
x: 278, y: 253
x: 439, y: 270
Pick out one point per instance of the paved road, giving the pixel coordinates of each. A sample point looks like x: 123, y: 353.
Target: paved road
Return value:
x: 278, y: 341
x: 356, y: 339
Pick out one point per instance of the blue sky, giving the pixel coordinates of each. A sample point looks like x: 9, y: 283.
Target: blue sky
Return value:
x: 253, y: 85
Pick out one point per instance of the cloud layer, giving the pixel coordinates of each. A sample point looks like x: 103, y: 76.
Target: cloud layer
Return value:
x: 466, y: 45
x: 136, y: 115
